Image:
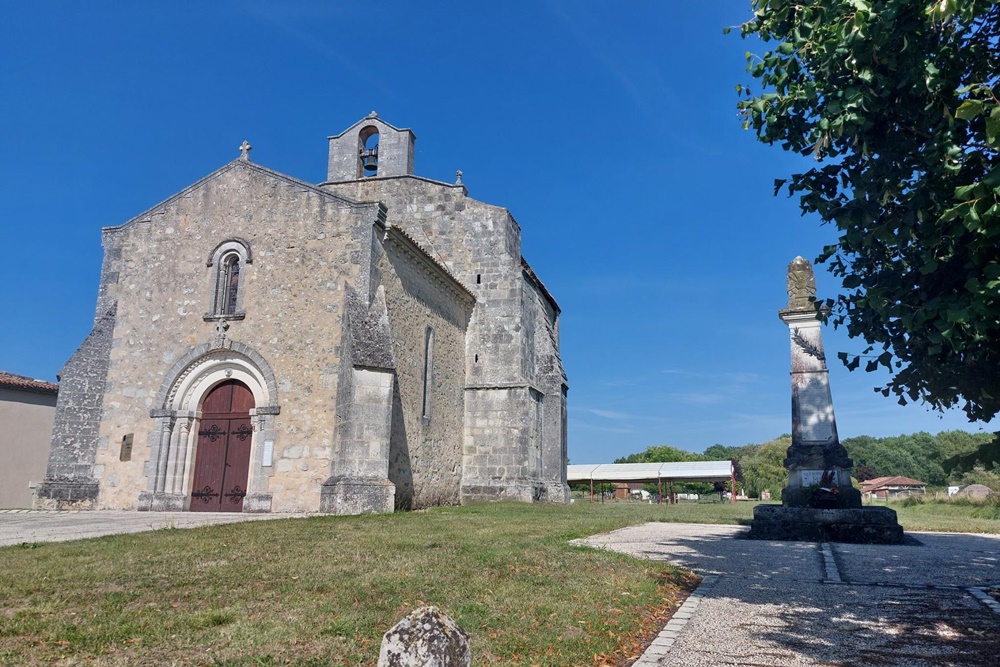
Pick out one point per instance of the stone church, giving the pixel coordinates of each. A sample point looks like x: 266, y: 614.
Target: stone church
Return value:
x: 263, y: 344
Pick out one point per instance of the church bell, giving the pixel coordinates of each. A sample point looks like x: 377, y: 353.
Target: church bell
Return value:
x: 369, y: 160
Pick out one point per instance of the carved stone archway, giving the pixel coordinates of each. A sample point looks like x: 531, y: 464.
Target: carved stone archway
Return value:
x: 172, y: 446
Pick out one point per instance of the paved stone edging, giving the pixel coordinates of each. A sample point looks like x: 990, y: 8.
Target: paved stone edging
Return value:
x: 830, y: 565
x: 665, y: 640
x: 984, y: 597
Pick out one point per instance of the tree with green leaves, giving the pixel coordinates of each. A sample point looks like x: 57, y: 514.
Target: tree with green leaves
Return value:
x: 898, y: 103
x: 764, y: 467
x: 661, y: 454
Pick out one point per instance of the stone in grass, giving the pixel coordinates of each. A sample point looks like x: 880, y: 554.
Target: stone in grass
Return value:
x: 425, y: 638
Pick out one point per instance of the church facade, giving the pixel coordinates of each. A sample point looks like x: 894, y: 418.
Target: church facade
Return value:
x: 263, y: 344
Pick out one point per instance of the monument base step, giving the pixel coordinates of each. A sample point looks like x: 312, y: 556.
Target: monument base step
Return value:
x: 863, y: 525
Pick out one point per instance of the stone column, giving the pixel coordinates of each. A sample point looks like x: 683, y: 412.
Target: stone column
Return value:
x: 819, y: 469
x: 819, y: 502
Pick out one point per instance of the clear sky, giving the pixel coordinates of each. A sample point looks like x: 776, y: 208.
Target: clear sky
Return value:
x: 611, y: 135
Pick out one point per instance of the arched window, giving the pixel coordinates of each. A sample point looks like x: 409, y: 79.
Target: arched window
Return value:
x: 229, y: 284
x: 229, y: 260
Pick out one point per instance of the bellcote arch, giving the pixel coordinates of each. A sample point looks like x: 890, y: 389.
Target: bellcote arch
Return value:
x: 173, y: 443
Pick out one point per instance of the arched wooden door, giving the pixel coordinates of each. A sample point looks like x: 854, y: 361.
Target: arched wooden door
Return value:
x: 222, y: 460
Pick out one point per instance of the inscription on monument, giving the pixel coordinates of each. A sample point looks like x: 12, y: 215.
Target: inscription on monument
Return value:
x: 810, y: 477
x: 815, y: 411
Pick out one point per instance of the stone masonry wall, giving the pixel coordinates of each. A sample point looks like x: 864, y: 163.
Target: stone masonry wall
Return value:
x: 426, y: 449
x: 304, y: 252
x: 480, y: 244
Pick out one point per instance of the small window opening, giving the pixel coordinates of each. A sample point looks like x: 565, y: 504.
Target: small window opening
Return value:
x: 368, y: 152
x: 229, y: 284
x: 479, y: 278
x: 477, y: 358
x: 428, y: 371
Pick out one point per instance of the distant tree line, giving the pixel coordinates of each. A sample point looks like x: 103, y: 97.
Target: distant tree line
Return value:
x: 920, y: 456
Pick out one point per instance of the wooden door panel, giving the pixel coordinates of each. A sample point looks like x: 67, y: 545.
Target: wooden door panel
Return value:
x: 242, y: 398
x: 222, y: 460
x: 219, y: 400
x: 237, y: 466
x: 206, y: 490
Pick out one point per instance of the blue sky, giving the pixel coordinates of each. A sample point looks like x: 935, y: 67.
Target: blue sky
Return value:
x: 611, y: 135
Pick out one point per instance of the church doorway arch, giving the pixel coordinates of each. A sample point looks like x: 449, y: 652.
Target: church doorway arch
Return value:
x: 232, y: 389
x: 222, y: 453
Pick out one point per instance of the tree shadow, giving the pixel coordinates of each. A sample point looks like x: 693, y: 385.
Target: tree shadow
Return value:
x: 772, y: 604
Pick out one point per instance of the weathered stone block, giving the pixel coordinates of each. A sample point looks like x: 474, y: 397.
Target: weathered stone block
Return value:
x: 866, y: 525
x: 343, y: 495
x: 425, y: 638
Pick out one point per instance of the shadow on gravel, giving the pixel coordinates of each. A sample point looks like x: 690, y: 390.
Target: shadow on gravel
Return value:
x: 883, y: 613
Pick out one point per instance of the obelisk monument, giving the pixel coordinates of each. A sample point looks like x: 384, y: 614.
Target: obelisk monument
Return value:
x: 820, y: 502
x: 819, y: 469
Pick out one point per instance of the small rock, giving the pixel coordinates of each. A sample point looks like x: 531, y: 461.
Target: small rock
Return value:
x: 427, y: 637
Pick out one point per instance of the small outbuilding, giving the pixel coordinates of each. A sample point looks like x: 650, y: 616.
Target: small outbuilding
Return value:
x: 634, y: 475
x: 887, y: 488
x: 27, y: 408
x: 976, y: 491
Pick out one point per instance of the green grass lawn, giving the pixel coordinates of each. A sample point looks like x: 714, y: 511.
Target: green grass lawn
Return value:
x: 322, y: 590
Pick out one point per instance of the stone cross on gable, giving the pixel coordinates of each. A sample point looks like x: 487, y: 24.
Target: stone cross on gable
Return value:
x: 245, y: 149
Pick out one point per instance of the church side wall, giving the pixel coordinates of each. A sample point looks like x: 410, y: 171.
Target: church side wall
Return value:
x: 481, y: 245
x: 293, y: 296
x: 425, y: 458
x: 548, y: 375
x: 514, y: 398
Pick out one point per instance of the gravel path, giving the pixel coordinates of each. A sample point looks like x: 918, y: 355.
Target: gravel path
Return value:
x: 799, y: 603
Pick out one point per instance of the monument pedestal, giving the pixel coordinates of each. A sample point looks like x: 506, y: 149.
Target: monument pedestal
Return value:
x: 860, y: 525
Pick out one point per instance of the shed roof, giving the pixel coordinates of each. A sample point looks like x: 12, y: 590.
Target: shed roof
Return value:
x: 703, y: 471
x: 880, y: 482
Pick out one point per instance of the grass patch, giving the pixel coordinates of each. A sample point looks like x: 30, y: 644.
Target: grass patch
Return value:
x: 958, y: 515
x: 322, y: 590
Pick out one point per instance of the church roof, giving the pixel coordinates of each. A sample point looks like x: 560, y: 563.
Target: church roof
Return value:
x: 12, y: 381
x: 238, y: 163
x: 534, y: 276
x: 433, y: 259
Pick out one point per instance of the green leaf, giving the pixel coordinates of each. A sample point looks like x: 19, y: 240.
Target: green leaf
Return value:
x: 969, y: 109
x: 993, y: 130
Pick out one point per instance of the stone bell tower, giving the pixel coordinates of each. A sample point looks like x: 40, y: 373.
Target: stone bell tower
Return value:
x: 371, y: 148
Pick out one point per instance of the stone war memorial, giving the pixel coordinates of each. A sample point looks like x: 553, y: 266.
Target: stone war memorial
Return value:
x: 819, y: 503
x: 265, y: 344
